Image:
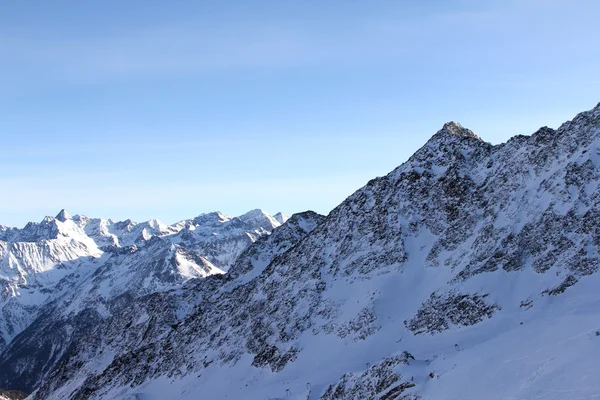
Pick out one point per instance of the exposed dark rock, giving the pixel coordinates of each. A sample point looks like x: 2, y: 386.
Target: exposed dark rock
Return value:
x: 441, y: 311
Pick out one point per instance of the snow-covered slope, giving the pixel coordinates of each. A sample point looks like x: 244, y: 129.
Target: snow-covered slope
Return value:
x: 74, y: 268
x: 469, y: 272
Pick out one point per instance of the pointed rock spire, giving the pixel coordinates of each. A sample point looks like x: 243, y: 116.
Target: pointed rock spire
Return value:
x: 457, y: 129
x: 63, y: 215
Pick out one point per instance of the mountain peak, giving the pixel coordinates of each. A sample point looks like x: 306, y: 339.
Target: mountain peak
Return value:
x: 281, y: 217
x: 260, y: 218
x: 213, y: 217
x: 452, y: 134
x: 252, y: 214
x: 63, y: 215
x: 457, y: 129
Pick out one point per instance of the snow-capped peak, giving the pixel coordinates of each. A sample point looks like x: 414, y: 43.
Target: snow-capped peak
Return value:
x: 260, y: 218
x: 63, y: 216
x: 212, y: 217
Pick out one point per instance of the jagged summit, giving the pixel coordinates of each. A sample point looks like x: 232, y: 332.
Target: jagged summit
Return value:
x: 63, y: 216
x: 212, y: 217
x: 457, y: 129
x: 446, y: 145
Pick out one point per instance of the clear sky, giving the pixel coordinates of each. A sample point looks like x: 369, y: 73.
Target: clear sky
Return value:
x: 165, y: 109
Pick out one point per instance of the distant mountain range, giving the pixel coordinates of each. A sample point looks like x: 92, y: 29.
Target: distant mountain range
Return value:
x: 468, y: 272
x: 97, y: 260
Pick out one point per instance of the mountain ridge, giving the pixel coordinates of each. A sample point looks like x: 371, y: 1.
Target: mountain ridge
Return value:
x: 469, y: 271
x: 42, y: 260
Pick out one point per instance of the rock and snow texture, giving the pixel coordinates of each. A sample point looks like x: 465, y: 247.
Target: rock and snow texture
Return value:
x: 12, y: 395
x: 281, y: 217
x: 79, y: 268
x: 36, y: 263
x: 469, y: 272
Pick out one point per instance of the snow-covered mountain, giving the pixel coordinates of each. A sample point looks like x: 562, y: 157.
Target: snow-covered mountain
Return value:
x: 36, y: 263
x: 469, y: 272
x: 92, y: 261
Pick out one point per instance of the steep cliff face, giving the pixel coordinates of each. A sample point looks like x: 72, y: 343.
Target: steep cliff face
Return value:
x: 467, y: 272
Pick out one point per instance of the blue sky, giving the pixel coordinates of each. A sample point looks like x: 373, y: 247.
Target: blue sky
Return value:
x: 166, y: 109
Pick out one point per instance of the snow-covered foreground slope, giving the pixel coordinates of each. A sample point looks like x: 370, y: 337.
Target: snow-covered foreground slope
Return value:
x: 66, y: 273
x: 469, y: 272
x: 553, y: 355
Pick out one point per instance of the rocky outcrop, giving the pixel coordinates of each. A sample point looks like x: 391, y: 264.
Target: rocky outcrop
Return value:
x: 379, y: 381
x: 441, y: 311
